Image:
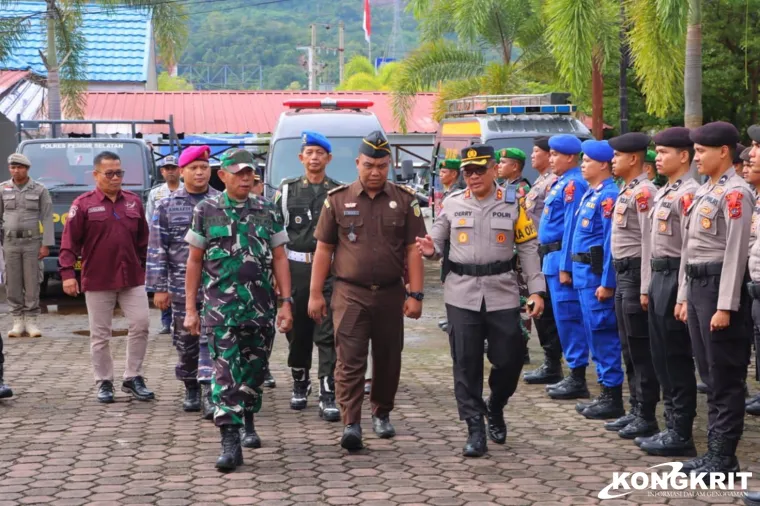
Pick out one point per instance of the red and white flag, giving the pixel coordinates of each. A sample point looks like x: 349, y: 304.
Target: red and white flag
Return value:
x: 367, y: 24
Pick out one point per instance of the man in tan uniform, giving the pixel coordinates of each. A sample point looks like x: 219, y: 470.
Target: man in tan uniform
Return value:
x: 366, y: 231
x: 713, y: 296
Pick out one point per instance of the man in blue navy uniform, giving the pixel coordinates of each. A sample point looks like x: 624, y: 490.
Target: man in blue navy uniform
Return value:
x: 594, y: 278
x: 554, y: 233
x: 631, y: 251
x: 713, y: 296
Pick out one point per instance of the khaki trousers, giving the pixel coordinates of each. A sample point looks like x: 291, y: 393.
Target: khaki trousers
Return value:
x: 22, y: 275
x: 100, y: 306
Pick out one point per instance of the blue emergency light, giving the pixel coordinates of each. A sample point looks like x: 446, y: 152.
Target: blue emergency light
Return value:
x: 531, y: 109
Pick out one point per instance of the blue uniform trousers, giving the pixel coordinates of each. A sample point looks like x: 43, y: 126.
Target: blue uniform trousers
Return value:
x: 601, y: 326
x: 567, y: 314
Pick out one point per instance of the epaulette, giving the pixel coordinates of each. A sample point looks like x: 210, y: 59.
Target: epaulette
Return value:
x: 290, y: 180
x: 127, y: 192
x: 408, y: 189
x: 339, y: 188
x: 455, y: 193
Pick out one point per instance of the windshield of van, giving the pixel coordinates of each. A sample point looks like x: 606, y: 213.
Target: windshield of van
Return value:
x: 70, y: 163
x: 284, y: 163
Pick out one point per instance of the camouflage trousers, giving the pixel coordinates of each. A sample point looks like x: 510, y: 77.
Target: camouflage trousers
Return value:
x: 241, y: 360
x: 193, y: 356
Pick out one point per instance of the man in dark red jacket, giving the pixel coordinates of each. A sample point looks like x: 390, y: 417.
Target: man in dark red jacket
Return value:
x: 107, y: 228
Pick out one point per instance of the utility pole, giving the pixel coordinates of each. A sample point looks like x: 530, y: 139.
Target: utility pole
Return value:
x: 341, y: 52
x: 312, y: 51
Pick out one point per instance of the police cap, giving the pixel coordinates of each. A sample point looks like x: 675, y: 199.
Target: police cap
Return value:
x: 598, y: 150
x: 19, y: 159
x: 309, y: 138
x: 565, y: 143
x: 744, y: 155
x: 542, y: 143
x: 633, y: 142
x: 375, y: 145
x: 716, y: 134
x: 738, y: 152
x: 168, y: 161
x: 477, y: 154
x: 451, y: 164
x: 674, y: 137
x: 754, y: 133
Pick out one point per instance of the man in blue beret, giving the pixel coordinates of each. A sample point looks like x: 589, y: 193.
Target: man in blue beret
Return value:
x: 301, y: 200
x: 554, y: 235
x: 593, y: 273
x: 713, y: 296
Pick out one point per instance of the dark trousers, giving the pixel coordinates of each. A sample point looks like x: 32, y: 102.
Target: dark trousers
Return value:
x: 548, y: 336
x: 671, y: 347
x: 755, y: 335
x: 2, y: 359
x: 633, y: 329
x: 361, y: 315
x: 721, y: 355
x: 468, y: 331
x: 306, y: 332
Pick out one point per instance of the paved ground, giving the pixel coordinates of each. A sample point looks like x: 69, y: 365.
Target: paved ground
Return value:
x: 59, y: 446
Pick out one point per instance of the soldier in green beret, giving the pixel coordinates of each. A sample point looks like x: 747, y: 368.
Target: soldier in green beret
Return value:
x: 651, y: 168
x: 511, y: 162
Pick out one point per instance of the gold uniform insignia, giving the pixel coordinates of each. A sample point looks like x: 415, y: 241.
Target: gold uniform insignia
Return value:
x: 462, y: 237
x: 663, y: 226
x: 706, y: 223
x: 501, y: 237
x: 462, y: 221
x: 472, y: 153
x: 585, y: 222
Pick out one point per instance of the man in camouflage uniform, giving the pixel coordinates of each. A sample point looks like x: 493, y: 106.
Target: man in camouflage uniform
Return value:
x: 237, y: 244
x: 167, y: 261
x: 301, y: 201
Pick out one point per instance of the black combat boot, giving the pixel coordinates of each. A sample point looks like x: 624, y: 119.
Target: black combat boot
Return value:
x: 497, y: 427
x: 476, y: 445
x: 644, y: 425
x: 701, y: 388
x: 328, y: 411
x: 269, y: 380
x: 639, y: 440
x: 582, y: 405
x: 192, y: 396
x: 624, y: 420
x: 301, y: 389
x: 248, y: 436
x: 610, y: 404
x: 207, y: 407
x: 572, y: 387
x: 675, y: 442
x: 753, y: 408
x: 232, y: 452
x: 5, y: 390
x: 548, y: 373
x: 696, y: 463
x: 723, y: 457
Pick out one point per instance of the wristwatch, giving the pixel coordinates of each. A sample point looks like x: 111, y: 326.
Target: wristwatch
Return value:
x: 285, y: 299
x: 416, y: 295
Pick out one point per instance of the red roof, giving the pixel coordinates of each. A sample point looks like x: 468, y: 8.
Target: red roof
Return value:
x: 10, y: 77
x: 236, y: 112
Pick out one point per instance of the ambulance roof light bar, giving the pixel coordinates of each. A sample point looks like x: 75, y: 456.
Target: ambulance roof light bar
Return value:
x: 328, y: 103
x: 532, y: 109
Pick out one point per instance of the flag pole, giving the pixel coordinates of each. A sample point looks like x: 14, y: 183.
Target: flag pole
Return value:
x: 369, y: 44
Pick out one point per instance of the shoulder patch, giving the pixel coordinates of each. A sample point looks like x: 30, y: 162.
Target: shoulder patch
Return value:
x: 734, y: 200
x: 336, y: 190
x: 608, y: 205
x: 642, y: 200
x: 570, y: 191
x: 687, y: 199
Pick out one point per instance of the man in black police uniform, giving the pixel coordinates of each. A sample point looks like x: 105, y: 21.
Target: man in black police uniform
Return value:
x: 301, y: 201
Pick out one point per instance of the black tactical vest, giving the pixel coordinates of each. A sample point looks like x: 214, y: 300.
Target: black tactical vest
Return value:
x: 304, y: 202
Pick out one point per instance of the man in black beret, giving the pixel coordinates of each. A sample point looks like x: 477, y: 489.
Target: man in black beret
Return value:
x: 713, y: 298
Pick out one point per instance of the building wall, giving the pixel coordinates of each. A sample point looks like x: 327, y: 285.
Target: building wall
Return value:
x: 152, y: 84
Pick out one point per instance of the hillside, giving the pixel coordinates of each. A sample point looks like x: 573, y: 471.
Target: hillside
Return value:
x: 235, y: 33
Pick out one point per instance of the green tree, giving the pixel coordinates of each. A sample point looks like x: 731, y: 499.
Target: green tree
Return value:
x: 171, y: 83
x: 64, y: 54
x: 360, y: 75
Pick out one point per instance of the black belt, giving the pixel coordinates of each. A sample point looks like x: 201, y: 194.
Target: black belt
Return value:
x: 373, y: 287
x: 22, y: 234
x: 545, y: 249
x: 582, y: 258
x: 754, y: 290
x: 665, y: 264
x: 696, y: 271
x: 483, y: 269
x: 627, y: 264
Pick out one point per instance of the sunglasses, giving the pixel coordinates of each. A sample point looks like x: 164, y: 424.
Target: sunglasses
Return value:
x: 112, y: 174
x: 468, y: 172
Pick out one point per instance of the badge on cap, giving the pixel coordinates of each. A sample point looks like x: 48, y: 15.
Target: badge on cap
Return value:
x: 472, y: 153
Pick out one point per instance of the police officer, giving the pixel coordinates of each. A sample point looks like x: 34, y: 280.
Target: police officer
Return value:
x: 751, y: 156
x: 557, y: 223
x: 669, y: 338
x: 550, y: 371
x: 484, y: 224
x: 24, y: 206
x: 165, y: 276
x: 237, y: 245
x: 370, y: 227
x: 301, y: 201
x: 511, y: 164
x: 594, y: 278
x: 713, y: 297
x: 631, y: 252
x: 650, y: 167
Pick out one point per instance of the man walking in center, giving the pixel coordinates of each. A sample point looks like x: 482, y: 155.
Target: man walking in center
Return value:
x: 24, y: 206
x: 167, y: 263
x: 301, y: 201
x: 107, y: 228
x: 370, y: 226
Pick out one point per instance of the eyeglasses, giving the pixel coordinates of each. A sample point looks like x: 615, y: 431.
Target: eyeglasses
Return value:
x: 479, y: 171
x: 112, y: 174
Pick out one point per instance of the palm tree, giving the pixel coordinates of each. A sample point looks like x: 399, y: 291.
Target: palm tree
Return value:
x: 64, y: 55
x: 360, y: 75
x: 486, y: 30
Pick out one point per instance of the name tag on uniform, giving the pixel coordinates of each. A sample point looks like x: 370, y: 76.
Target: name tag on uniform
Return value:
x: 351, y: 212
x: 97, y: 209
